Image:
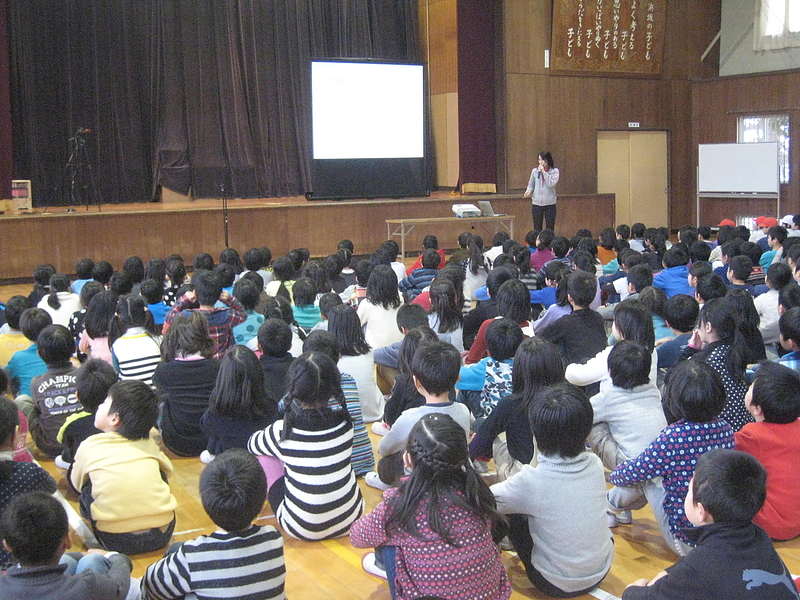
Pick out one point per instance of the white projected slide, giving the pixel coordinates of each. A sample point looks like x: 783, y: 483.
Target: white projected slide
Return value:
x: 366, y: 110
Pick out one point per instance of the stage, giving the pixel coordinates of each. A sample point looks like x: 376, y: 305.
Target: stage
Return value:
x: 180, y: 225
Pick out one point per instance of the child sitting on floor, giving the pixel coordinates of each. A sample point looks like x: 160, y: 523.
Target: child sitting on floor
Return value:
x: 247, y: 556
x: 434, y: 533
x: 695, y: 396
x: 26, y: 364
x: 36, y: 531
x: 774, y: 439
x: 560, y: 502
x: 118, y: 465
x: 92, y: 382
x: 734, y: 558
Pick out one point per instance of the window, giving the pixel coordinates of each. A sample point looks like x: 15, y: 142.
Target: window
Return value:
x: 777, y: 24
x: 770, y: 128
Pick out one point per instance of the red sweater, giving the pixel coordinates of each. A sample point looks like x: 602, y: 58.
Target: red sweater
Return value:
x: 777, y: 447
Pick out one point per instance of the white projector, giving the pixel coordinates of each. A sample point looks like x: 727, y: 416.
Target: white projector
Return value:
x: 466, y: 210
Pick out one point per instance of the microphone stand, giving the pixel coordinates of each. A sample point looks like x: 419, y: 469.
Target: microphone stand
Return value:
x: 224, y: 214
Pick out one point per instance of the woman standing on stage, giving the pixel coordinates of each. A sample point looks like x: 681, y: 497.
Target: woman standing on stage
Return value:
x: 542, y: 191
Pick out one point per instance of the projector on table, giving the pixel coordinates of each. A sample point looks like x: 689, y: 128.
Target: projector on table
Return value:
x: 466, y: 210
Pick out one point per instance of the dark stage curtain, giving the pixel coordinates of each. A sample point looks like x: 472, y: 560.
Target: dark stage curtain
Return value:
x: 191, y: 95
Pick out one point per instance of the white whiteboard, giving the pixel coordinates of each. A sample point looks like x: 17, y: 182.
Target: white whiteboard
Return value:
x: 731, y: 168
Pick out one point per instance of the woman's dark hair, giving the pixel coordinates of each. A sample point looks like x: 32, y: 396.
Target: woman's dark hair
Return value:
x: 313, y: 380
x: 608, y: 237
x: 514, y: 301
x: 131, y: 312
x: 382, y: 287
x: 156, y: 270
x: 694, y: 392
x: 413, y: 340
x: 247, y: 292
x: 102, y: 271
x: 100, y: 313
x: 635, y: 323
x: 722, y: 315
x: 240, y: 388
x: 537, y: 364
x: 443, y: 304
x: 134, y: 267
x: 9, y: 420
x: 304, y: 292
x: 442, y: 477
x: 230, y: 257
x: 313, y: 271
x: 58, y: 283
x: 548, y: 158
x: 344, y: 323
x: 476, y: 260
x: 187, y: 335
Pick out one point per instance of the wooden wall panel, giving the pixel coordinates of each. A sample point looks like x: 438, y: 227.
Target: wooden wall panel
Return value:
x: 716, y: 107
x: 563, y: 113
x: 62, y: 239
x: 438, y: 36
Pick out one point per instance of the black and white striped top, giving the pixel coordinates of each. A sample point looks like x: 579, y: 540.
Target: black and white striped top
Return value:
x: 322, y: 498
x: 136, y: 354
x: 247, y: 565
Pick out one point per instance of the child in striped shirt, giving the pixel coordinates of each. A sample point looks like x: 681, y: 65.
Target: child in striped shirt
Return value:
x: 320, y: 502
x: 239, y: 555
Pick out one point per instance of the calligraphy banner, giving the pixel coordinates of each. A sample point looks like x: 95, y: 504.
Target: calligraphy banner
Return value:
x: 608, y: 37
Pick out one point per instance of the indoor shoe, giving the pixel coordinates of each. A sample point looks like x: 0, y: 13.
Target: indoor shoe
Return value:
x: 378, y: 428
x: 622, y: 518
x: 206, y: 457
x: 373, y: 480
x: 370, y: 566
x: 61, y: 463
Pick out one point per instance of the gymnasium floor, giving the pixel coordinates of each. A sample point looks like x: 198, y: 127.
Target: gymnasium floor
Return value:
x: 332, y: 569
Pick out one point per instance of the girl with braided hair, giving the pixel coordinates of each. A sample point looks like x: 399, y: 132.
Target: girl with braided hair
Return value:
x: 434, y: 532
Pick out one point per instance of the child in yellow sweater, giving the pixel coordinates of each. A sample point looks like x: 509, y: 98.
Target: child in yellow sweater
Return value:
x: 122, y: 474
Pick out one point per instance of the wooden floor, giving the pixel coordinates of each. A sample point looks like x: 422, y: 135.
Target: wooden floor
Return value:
x: 332, y: 569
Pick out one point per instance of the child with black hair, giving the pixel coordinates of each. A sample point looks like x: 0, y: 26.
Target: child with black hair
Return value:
x: 77, y: 322
x: 92, y: 382
x: 673, y: 279
x: 226, y: 275
x: 734, y: 558
x: 363, y: 270
x: 202, y: 260
x: 627, y: 413
x: 320, y: 502
x: 16, y: 477
x: 559, y: 502
x: 696, y: 271
x: 238, y: 406
x: 248, y: 293
x: 429, y: 242
x: 434, y: 369
x: 483, y: 384
x: 52, y: 397
x: 279, y: 307
x: 274, y: 343
x: 419, y: 279
x: 739, y: 269
x: 378, y: 313
x: 789, y: 324
x: 709, y: 287
x: 83, y: 270
x: 121, y: 283
x: 326, y: 302
x: 513, y: 302
x: 409, y: 316
x: 435, y: 532
x: 693, y: 399
x: 60, y: 302
x: 13, y: 340
x: 102, y: 272
x: 221, y: 321
x: 153, y: 293
x: 122, y: 463
x: 362, y: 458
x: 779, y: 275
x: 135, y: 345
x: 774, y: 439
x: 445, y: 316
x: 175, y: 278
x: 41, y: 283
x: 283, y: 273
x: 680, y: 314
x: 304, y: 295
x: 253, y: 261
x: 26, y: 364
x: 185, y: 379
x: 246, y: 555
x: 99, y: 314
x: 36, y: 531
